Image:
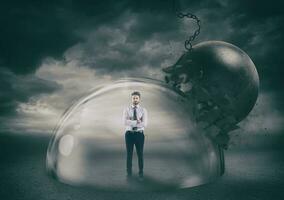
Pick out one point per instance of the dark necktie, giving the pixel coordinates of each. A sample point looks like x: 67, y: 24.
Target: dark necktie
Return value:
x: 135, y: 113
x: 134, y: 116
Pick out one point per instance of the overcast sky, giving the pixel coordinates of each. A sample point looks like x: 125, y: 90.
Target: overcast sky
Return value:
x: 52, y: 52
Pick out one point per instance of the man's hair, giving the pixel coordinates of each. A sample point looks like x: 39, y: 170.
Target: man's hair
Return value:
x: 136, y: 93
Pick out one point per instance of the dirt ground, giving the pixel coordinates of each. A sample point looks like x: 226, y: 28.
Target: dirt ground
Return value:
x: 253, y: 171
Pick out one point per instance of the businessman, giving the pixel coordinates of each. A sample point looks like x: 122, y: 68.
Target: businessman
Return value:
x: 135, y: 119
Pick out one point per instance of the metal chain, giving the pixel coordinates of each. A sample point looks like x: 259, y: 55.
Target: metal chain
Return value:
x: 188, y: 42
x: 179, y: 14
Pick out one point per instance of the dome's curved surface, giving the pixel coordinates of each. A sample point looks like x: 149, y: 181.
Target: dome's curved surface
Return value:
x: 88, y: 145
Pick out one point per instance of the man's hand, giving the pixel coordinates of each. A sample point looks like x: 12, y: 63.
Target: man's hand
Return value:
x: 138, y: 121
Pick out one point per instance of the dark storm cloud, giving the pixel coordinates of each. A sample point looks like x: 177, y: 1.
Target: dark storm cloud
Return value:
x: 15, y: 89
x: 128, y: 42
x: 31, y: 30
x: 36, y: 29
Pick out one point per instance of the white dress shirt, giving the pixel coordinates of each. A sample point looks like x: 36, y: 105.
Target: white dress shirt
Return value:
x: 141, y: 114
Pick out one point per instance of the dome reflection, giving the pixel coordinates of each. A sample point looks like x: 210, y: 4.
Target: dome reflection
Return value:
x: 88, y: 146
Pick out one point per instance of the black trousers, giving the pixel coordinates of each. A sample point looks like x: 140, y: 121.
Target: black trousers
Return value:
x: 134, y: 138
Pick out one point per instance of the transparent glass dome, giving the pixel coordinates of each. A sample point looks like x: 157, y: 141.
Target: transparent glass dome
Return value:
x: 88, y: 146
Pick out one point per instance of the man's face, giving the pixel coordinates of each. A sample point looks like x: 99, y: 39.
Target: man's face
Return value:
x: 135, y: 99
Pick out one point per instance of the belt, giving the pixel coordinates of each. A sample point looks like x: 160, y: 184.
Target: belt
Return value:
x: 138, y: 131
